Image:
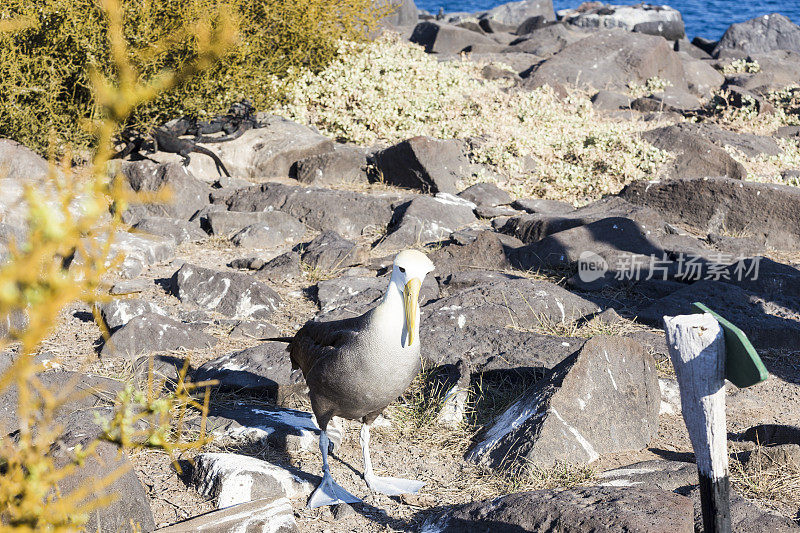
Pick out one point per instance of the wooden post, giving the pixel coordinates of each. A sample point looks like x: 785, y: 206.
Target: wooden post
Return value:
x: 697, y: 349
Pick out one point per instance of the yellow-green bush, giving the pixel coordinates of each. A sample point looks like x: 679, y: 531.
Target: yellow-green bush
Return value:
x: 36, y: 282
x: 47, y: 53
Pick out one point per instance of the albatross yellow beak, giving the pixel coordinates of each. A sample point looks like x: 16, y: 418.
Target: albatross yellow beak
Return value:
x: 411, y: 304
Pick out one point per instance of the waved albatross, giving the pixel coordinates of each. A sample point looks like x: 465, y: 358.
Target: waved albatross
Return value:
x: 355, y: 367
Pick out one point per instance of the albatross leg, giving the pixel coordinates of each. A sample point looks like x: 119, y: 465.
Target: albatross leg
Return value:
x: 391, y: 486
x: 328, y: 492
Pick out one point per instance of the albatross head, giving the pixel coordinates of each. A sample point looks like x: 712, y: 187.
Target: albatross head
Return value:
x: 410, y: 269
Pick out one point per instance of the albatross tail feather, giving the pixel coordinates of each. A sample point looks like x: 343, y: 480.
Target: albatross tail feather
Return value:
x: 280, y: 339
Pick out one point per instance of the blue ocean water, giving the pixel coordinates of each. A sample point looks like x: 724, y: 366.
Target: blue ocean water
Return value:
x: 704, y: 18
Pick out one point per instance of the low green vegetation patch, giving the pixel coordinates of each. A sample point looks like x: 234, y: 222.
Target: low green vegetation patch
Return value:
x: 533, y: 142
x: 49, y: 48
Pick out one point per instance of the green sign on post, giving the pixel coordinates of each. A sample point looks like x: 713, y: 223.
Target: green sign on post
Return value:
x: 743, y: 366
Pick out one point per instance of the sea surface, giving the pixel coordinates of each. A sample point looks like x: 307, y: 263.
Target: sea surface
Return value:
x: 704, y: 18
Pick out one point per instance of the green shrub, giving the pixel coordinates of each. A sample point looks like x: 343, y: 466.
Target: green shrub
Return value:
x: 47, y: 56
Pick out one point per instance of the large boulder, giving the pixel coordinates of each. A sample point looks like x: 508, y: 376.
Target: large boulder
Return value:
x: 642, y: 18
x: 769, y: 213
x: 547, y: 41
x: 232, y: 294
x: 154, y: 333
x: 778, y: 69
x: 345, y: 164
x: 268, y: 151
x: 515, y: 13
x: 485, y: 252
x: 403, y: 12
x: 430, y: 165
x: 425, y: 219
x: 759, y: 36
x: 348, y: 213
x: 612, y: 379
x: 696, y: 155
x: 578, y: 510
x: 330, y: 252
x: 187, y: 194
x: 489, y: 320
x: 445, y: 39
x: 611, y: 59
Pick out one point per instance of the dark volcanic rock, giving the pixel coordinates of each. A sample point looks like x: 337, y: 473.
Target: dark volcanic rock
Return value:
x: 330, y: 252
x: 344, y: 164
x: 265, y: 368
x: 760, y: 35
x: 611, y: 101
x: 546, y: 41
x: 610, y: 238
x: 697, y: 156
x: 404, y: 12
x: 120, y: 311
x: 701, y: 78
x: 643, y: 18
x: 232, y: 294
x: 129, y: 509
x: 486, y: 194
x: 345, y: 212
x: 257, y: 515
x: 187, y: 193
x: 280, y: 230
x: 229, y: 223
x: 547, y: 207
x: 139, y: 251
x: 746, y: 516
x: 430, y: 165
x: 485, y: 252
x: 772, y: 434
x: 611, y: 60
x: 741, y: 307
x: 247, y: 329
x: 439, y: 38
x: 491, y: 322
x: 282, y: 268
x: 178, y: 230
x: 578, y: 510
x: 549, y: 220
x: 425, y: 219
x: 611, y: 379
x: 153, y: 333
x: 769, y: 213
x: 658, y: 473
x: 514, y: 13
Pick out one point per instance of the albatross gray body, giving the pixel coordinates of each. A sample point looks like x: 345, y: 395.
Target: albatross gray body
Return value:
x: 354, y: 367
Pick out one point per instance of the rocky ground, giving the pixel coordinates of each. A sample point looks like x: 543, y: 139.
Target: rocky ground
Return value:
x: 511, y: 323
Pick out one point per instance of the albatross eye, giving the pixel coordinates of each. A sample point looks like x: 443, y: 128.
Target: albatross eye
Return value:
x: 403, y: 270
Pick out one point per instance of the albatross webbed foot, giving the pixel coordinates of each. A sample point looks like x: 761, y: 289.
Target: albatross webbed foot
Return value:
x: 393, y: 486
x: 330, y: 493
